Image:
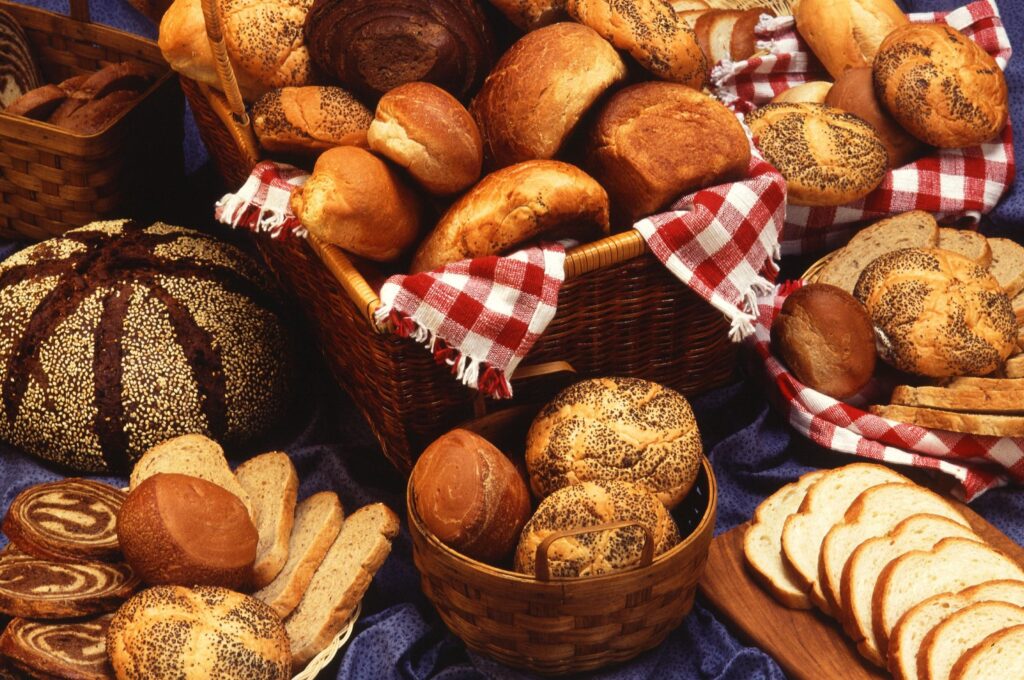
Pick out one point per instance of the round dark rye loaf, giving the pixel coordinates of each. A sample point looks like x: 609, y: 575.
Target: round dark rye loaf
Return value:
x: 118, y: 336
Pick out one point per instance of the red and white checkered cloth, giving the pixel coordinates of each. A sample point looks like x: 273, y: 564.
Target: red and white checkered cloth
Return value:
x: 261, y: 204
x: 978, y: 463
x: 954, y: 184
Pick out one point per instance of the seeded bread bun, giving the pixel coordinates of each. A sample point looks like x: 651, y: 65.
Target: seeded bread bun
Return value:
x: 813, y: 92
x: 309, y: 120
x: 846, y: 33
x: 937, y: 313
x: 941, y: 86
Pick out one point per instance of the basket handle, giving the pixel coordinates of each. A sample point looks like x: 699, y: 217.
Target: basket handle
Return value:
x: 80, y: 10
x: 543, y: 570
x: 225, y: 72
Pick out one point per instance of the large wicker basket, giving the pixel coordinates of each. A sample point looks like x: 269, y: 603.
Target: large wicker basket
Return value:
x: 52, y: 180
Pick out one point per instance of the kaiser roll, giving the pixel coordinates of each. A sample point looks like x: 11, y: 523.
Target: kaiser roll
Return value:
x: 358, y: 202
x: 941, y: 86
x: 814, y: 92
x: 846, y: 33
x: 309, y: 120
x: 428, y: 132
x: 586, y: 505
x: 513, y: 206
x: 937, y: 313
x: 825, y: 337
x: 540, y: 90
x: 616, y: 429
x: 653, y: 142
x: 470, y: 496
x: 529, y: 15
x: 827, y: 156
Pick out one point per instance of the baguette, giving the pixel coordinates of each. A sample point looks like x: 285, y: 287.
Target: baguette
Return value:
x: 968, y: 423
x: 272, y: 484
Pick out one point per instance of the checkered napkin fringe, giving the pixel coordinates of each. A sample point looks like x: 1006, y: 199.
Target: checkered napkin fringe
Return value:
x: 261, y: 204
x: 978, y: 463
x: 954, y: 184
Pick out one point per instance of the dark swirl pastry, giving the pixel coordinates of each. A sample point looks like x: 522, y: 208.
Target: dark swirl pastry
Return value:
x: 59, y: 650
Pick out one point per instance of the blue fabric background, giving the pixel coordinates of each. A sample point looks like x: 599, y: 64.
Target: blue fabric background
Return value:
x: 752, y: 450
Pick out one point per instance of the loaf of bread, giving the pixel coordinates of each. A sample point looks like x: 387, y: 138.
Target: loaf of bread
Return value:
x: 272, y: 483
x: 997, y: 654
x: 46, y: 649
x: 309, y: 120
x: 846, y: 34
x: 529, y: 15
x: 813, y: 92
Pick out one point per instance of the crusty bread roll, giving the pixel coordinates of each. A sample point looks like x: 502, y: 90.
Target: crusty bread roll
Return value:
x: 813, y: 92
x: 514, y: 206
x: 653, y: 142
x: 941, y: 86
x: 309, y: 120
x: 828, y: 156
x: 825, y: 337
x: 529, y: 15
x: 651, y: 32
x: 540, y: 89
x: 358, y: 202
x: 470, y: 496
x: 937, y: 313
x: 428, y: 132
x: 846, y: 33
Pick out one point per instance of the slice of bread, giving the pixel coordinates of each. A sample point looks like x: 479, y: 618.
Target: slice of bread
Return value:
x: 1018, y: 307
x: 970, y: 244
x: 1007, y: 264
x: 1000, y: 655
x: 272, y: 483
x: 915, y: 229
x: 762, y: 542
x: 193, y: 455
x: 1015, y: 367
x: 340, y: 581
x: 969, y: 423
x: 961, y: 632
x: 960, y: 398
x: 952, y: 565
x: 720, y: 35
x: 912, y: 629
x: 825, y: 504
x: 991, y: 384
x: 874, y: 513
x: 917, y: 532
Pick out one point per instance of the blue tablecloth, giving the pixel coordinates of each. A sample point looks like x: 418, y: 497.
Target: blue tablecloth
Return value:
x: 752, y: 450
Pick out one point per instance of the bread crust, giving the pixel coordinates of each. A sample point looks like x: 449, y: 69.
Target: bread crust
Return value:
x: 846, y: 33
x: 309, y: 120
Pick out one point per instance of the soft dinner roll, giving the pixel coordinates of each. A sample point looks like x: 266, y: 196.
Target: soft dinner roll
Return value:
x: 653, y: 142
x: 357, y: 202
x: 813, y: 92
x: 529, y: 15
x: 941, y: 86
x: 513, y: 206
x: 616, y: 428
x: 937, y: 313
x: 309, y: 120
x: 828, y: 156
x: 846, y: 33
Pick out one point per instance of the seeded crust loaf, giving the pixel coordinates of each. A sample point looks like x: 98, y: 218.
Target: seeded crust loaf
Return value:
x: 309, y: 120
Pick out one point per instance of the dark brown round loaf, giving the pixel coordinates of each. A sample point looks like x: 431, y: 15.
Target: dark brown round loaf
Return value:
x: 123, y: 335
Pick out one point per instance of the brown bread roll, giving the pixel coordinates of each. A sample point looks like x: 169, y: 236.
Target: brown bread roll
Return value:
x: 179, y: 530
x: 428, y: 132
x: 358, y: 202
x: 514, y: 206
x: 309, y: 120
x: 814, y: 92
x: 470, y: 496
x: 529, y: 15
x: 827, y: 156
x: 846, y: 33
x: 941, y: 86
x: 825, y: 337
x: 540, y: 89
x: 653, y: 142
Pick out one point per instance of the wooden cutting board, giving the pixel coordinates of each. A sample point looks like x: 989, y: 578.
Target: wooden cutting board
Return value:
x: 807, y: 644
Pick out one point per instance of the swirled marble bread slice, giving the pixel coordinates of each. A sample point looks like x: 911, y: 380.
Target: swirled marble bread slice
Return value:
x: 1000, y: 655
x: 958, y: 634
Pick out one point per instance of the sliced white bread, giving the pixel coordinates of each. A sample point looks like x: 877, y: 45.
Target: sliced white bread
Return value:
x: 825, y: 504
x: 1015, y: 367
x: 915, y: 229
x: 193, y: 455
x: 1000, y: 655
x: 340, y: 581
x: 917, y: 532
x: 874, y: 513
x: 961, y: 632
x: 272, y: 483
x: 317, y: 523
x: 762, y: 542
x: 970, y: 244
x: 720, y: 35
x: 989, y: 425
x: 1007, y: 264
x: 912, y: 629
x: 952, y: 565
x: 960, y: 398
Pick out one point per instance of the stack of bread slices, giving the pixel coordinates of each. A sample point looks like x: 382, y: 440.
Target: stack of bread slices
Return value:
x: 897, y: 566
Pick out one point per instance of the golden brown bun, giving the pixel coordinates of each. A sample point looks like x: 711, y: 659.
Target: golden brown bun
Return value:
x: 540, y: 89
x: 825, y: 337
x: 846, y: 33
x: 471, y: 496
x: 428, y: 132
x: 529, y: 15
x: 828, y: 156
x: 853, y: 92
x: 653, y: 142
x: 309, y: 120
x: 941, y: 86
x: 651, y: 32
x: 514, y: 206
x: 358, y: 202
x: 813, y: 92
x: 937, y: 313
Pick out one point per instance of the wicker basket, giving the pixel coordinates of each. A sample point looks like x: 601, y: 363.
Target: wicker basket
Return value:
x: 52, y: 180
x: 558, y: 626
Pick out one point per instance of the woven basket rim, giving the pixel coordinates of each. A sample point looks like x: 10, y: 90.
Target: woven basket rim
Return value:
x: 810, y: 274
